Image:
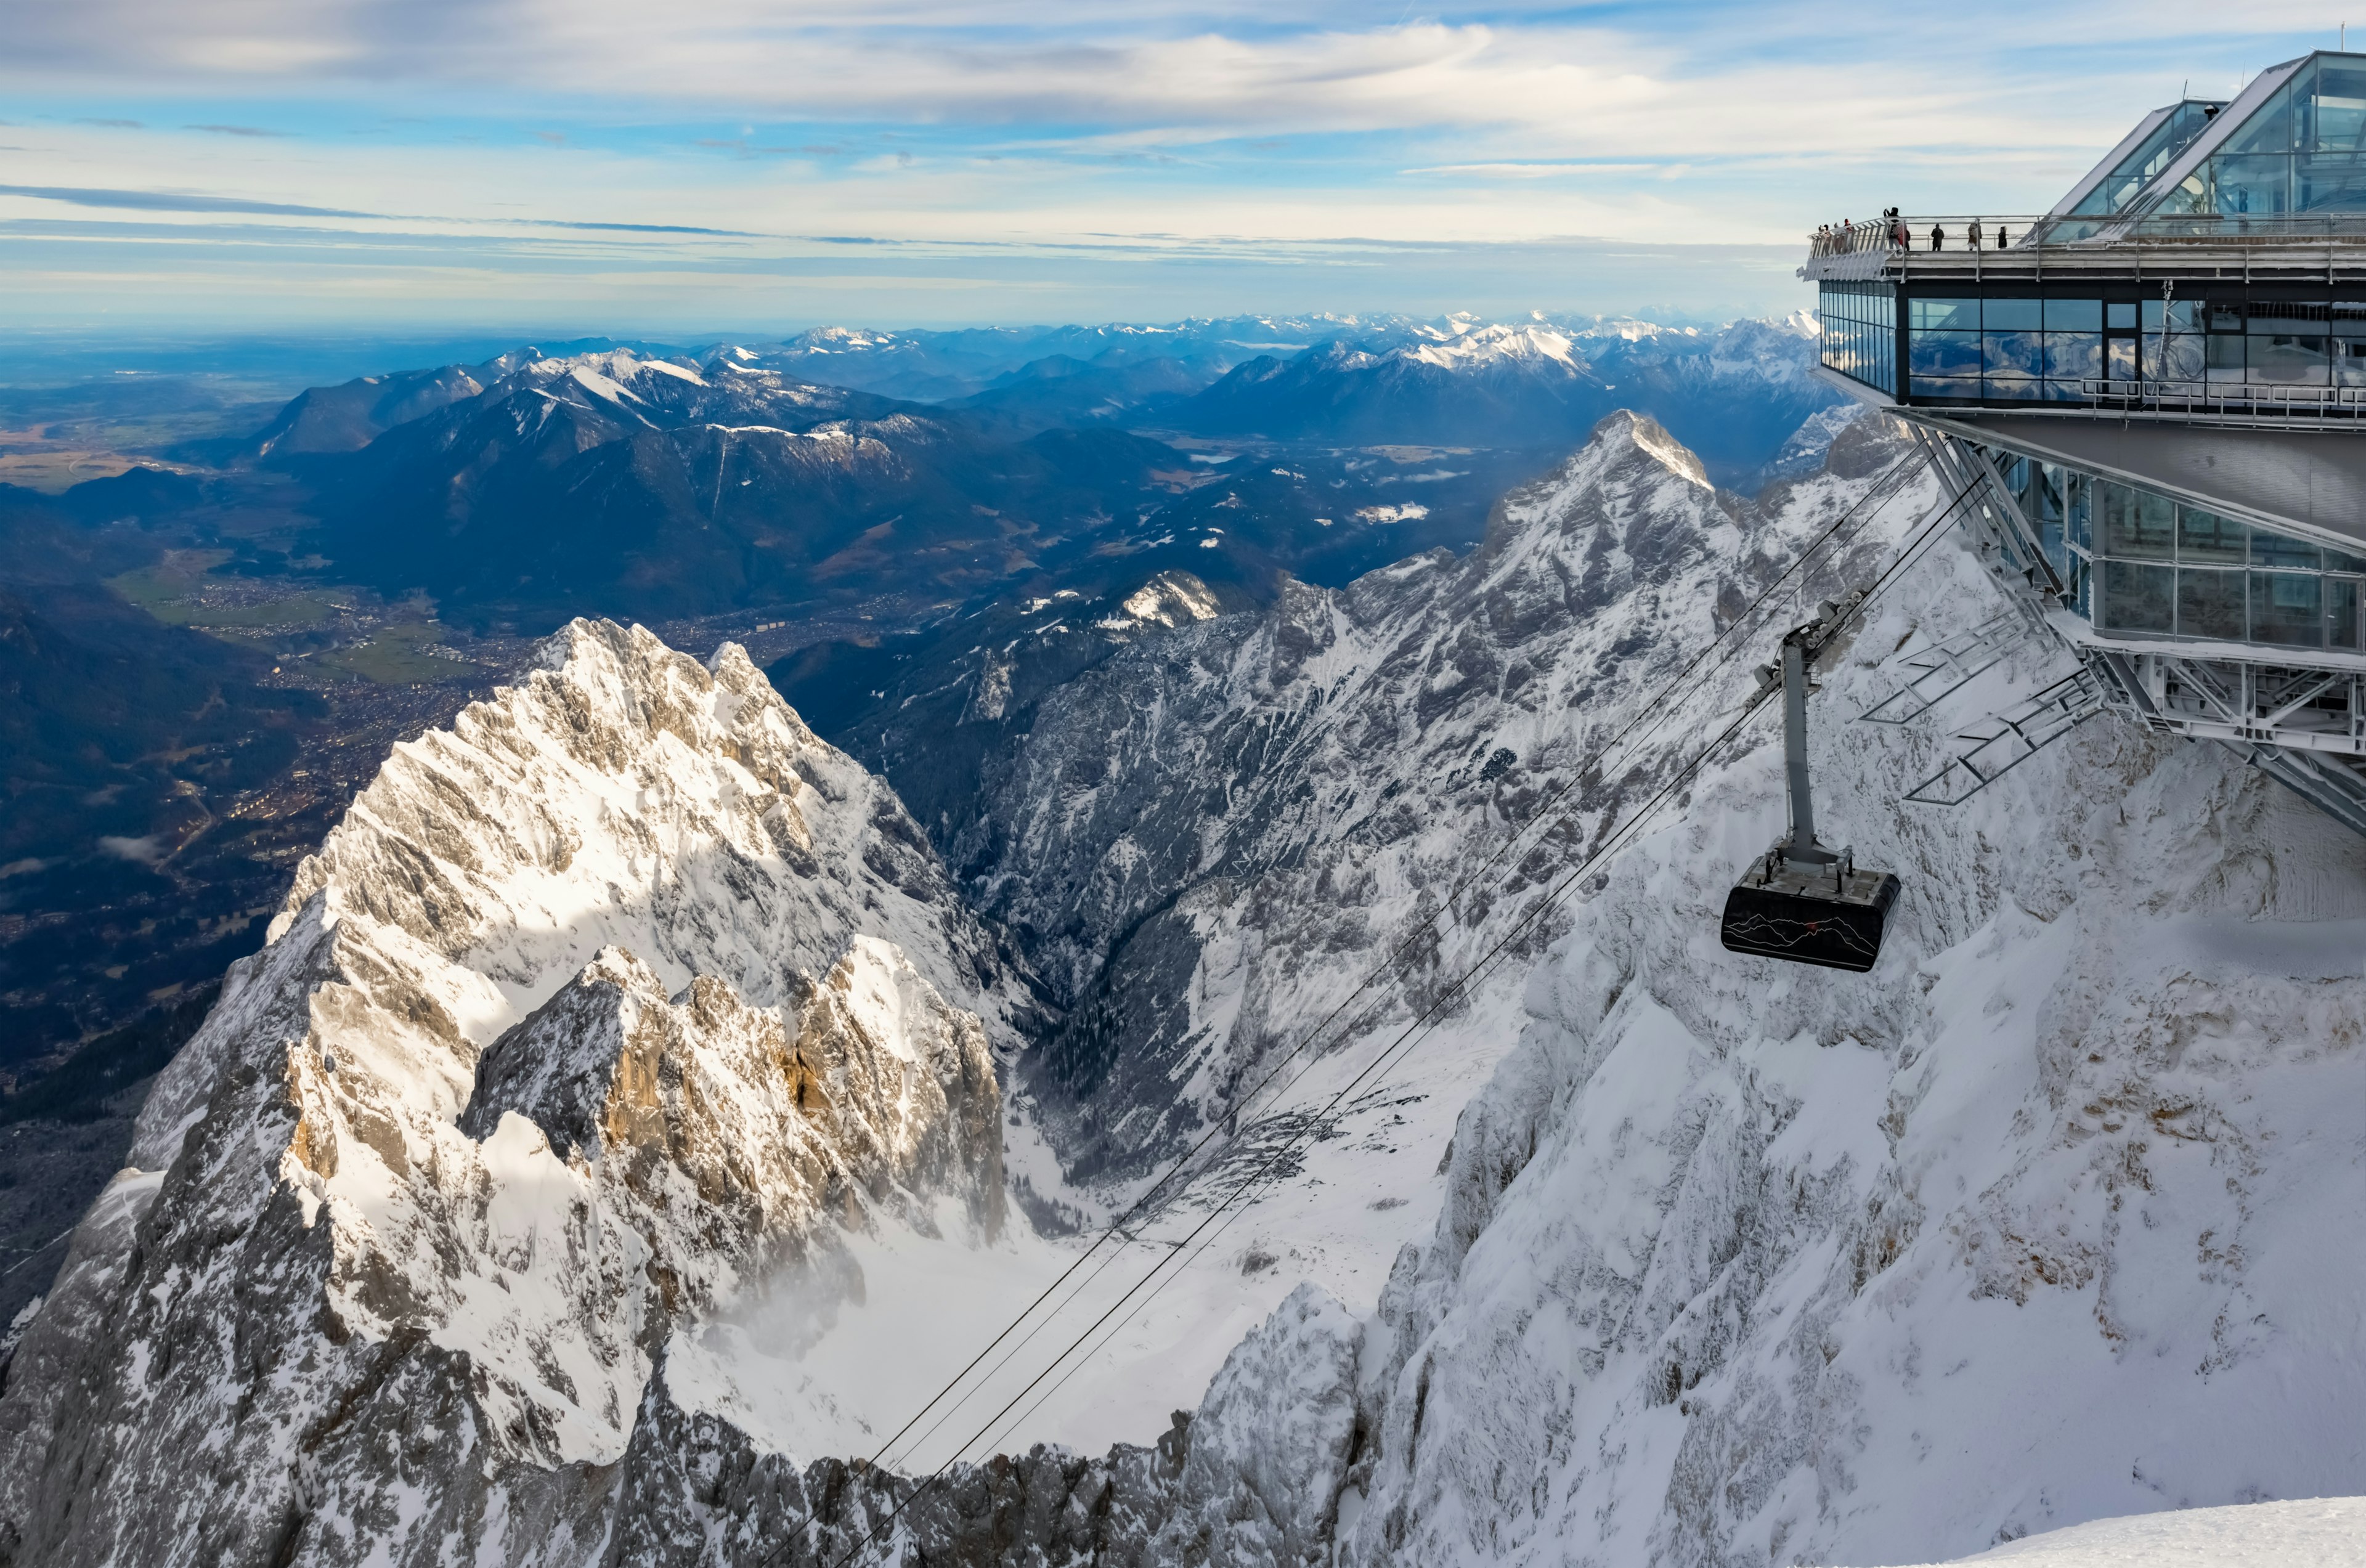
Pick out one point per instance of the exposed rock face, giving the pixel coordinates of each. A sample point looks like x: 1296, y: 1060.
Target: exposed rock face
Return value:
x: 1206, y: 842
x: 1746, y: 1264
x: 1250, y: 1482
x: 611, y: 1003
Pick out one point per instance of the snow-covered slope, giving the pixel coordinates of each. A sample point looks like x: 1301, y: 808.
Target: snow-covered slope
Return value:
x: 2043, y: 1221
x: 621, y: 1001
x: 2319, y: 1532
x: 1732, y: 1263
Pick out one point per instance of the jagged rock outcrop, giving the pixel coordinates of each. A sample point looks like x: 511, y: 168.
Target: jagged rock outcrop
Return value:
x: 615, y: 1001
x: 1742, y: 1264
x: 1206, y: 842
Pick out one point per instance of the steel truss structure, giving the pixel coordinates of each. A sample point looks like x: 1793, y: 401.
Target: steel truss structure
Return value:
x: 2299, y: 720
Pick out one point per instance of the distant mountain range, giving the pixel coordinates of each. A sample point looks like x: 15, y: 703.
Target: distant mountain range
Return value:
x: 817, y: 469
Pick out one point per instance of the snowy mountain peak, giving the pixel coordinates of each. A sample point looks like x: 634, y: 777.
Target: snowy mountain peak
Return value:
x: 1170, y: 598
x: 620, y: 999
x: 1471, y: 345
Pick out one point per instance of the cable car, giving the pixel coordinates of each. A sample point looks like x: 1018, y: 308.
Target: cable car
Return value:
x: 1801, y: 901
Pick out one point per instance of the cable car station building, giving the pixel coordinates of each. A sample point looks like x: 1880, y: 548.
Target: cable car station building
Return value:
x: 2150, y: 404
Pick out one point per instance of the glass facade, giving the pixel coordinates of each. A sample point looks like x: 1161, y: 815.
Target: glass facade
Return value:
x: 2141, y: 563
x: 1857, y: 327
x: 1999, y: 348
x: 2129, y: 178
x: 2303, y: 151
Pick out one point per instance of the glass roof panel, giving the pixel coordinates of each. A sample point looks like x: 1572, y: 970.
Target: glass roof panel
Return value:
x: 2128, y: 179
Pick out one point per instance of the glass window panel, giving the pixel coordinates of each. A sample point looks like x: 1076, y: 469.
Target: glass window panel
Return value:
x: 2336, y: 110
x: 2275, y: 549
x: 1945, y: 386
x: 2225, y: 315
x: 2251, y: 187
x: 2078, y: 497
x: 2269, y: 129
x: 2289, y: 316
x: 2120, y: 313
x: 2074, y: 315
x: 2016, y: 388
x: 2224, y: 356
x: 2014, y: 353
x: 2329, y: 183
x: 2287, y: 607
x: 2210, y: 604
x: 2340, y: 612
x: 2208, y: 538
x: 1945, y: 315
x: 2335, y: 561
x: 2119, y: 358
x: 2178, y: 315
x: 1943, y: 354
x: 2072, y: 356
x: 2177, y: 357
x: 2137, y: 523
x: 2348, y: 357
x: 2140, y: 598
x: 2014, y: 315
x: 2285, y: 359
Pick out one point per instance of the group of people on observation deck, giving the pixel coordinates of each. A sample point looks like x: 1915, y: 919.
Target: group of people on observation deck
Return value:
x: 1891, y: 233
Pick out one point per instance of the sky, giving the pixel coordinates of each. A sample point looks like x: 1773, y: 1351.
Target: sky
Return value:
x: 712, y: 167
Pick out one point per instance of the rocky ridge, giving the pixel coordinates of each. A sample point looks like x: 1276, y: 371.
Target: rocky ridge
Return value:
x: 620, y: 999
x: 1203, y: 841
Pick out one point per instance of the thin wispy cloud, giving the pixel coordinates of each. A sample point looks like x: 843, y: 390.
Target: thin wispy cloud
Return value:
x: 176, y: 201
x: 1245, y: 130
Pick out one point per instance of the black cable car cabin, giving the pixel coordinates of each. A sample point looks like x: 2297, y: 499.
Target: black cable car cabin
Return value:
x: 1800, y: 901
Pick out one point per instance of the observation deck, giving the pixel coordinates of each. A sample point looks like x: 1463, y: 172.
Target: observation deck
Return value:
x: 2152, y: 399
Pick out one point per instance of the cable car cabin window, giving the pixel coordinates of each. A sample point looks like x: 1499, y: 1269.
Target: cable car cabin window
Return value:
x: 2140, y: 598
x: 2288, y: 607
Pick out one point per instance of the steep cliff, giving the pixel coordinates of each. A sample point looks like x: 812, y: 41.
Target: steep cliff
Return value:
x: 622, y: 999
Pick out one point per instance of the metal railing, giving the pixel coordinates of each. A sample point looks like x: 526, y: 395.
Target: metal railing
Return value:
x: 2224, y: 397
x: 2015, y: 235
x: 1944, y: 234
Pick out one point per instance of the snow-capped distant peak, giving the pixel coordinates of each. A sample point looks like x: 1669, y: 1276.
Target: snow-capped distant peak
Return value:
x: 1476, y: 345
x: 1170, y: 598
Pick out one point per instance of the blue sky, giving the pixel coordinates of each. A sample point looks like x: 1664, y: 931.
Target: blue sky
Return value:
x: 627, y: 167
